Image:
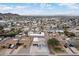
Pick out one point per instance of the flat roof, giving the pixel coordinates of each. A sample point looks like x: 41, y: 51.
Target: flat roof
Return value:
x: 35, y: 34
x: 35, y: 39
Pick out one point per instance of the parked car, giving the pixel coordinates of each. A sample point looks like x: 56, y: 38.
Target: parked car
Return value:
x: 71, y: 45
x: 11, y: 46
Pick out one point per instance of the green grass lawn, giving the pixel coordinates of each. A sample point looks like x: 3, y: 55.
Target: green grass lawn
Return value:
x: 58, y: 49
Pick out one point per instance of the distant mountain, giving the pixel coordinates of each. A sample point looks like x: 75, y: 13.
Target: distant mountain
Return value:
x: 11, y: 16
x: 8, y: 14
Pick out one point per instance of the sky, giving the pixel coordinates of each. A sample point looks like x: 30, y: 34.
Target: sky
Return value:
x: 40, y: 8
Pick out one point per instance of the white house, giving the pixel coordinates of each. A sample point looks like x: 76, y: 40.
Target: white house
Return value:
x: 36, y: 34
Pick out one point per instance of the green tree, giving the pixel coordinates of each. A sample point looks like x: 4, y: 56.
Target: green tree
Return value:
x: 53, y: 42
x: 1, y: 27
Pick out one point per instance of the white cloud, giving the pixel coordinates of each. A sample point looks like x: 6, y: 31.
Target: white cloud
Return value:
x: 53, y: 12
x: 20, y: 8
x: 70, y: 5
x: 4, y: 7
x: 46, y: 6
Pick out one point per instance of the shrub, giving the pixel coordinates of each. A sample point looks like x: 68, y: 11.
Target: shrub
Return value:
x: 53, y: 42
